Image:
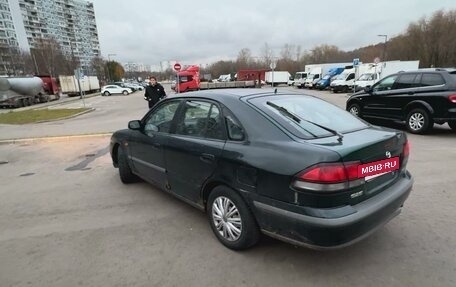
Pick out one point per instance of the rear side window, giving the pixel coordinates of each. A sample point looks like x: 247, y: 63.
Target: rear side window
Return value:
x: 432, y: 80
x: 234, y: 128
x: 405, y: 82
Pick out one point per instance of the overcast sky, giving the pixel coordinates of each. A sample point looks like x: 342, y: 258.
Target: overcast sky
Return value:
x: 201, y: 32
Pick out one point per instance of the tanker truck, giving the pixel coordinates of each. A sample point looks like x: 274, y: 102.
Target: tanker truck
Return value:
x: 21, y: 92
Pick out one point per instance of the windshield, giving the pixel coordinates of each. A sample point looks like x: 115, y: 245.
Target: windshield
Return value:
x: 365, y: 77
x: 313, y: 111
x: 341, y: 77
x: 299, y: 76
x: 326, y: 77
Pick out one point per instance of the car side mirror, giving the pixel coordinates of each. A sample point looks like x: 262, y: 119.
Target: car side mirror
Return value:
x: 368, y: 89
x: 134, y: 125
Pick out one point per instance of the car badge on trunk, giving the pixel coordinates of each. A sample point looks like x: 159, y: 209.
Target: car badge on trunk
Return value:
x: 388, y: 154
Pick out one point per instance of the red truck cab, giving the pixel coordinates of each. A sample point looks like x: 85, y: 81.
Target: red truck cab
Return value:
x: 189, y: 79
x: 49, y: 85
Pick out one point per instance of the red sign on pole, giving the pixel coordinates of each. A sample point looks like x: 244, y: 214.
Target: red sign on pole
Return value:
x: 177, y: 67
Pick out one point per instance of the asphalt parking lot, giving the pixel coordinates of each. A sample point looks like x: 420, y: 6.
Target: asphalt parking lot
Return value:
x: 67, y: 220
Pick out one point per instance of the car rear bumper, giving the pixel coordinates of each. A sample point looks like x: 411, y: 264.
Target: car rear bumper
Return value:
x: 334, y: 231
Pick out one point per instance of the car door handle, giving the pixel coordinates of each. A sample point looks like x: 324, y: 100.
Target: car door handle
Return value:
x: 410, y: 93
x: 155, y: 144
x: 207, y: 158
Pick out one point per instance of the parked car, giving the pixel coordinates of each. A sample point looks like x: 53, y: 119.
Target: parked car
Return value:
x: 114, y: 89
x: 291, y: 166
x: 420, y: 98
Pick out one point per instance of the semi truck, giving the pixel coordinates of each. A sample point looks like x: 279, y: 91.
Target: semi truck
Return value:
x: 188, y: 79
x: 69, y: 85
x: 26, y: 91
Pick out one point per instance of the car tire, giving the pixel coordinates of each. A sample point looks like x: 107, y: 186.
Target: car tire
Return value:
x: 125, y: 173
x: 355, y: 110
x: 106, y: 94
x: 452, y: 125
x: 418, y: 121
x: 125, y: 93
x: 236, y: 229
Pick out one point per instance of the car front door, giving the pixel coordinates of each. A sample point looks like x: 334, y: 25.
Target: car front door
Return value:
x: 391, y: 104
x: 193, y: 151
x: 374, y: 104
x: 146, y: 145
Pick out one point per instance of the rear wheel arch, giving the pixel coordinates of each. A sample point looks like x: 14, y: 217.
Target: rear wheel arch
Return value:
x: 210, y: 186
x: 353, y: 102
x: 417, y: 105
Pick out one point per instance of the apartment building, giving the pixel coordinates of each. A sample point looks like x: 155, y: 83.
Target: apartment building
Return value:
x: 8, y: 39
x: 70, y: 22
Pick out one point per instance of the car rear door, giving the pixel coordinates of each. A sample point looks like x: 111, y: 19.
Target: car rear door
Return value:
x: 193, y: 151
x: 376, y: 103
x: 146, y: 146
x: 434, y: 90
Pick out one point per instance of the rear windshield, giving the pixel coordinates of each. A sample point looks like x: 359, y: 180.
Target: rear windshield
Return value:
x: 310, y: 109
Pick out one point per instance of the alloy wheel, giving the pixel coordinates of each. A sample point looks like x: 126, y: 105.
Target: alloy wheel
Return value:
x: 416, y: 121
x: 227, y: 219
x: 354, y: 111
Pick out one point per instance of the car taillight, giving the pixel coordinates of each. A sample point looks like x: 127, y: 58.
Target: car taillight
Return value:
x: 329, y: 177
x: 452, y: 98
x: 406, y: 149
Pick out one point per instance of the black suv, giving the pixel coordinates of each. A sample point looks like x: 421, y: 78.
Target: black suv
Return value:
x: 420, y: 98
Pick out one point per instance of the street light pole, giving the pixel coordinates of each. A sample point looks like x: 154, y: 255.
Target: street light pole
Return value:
x: 384, y: 47
x: 109, y: 70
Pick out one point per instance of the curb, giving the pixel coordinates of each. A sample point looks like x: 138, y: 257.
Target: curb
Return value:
x: 54, y: 139
x: 64, y: 118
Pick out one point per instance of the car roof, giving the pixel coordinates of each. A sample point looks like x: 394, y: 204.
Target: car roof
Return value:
x: 234, y: 93
x: 428, y: 70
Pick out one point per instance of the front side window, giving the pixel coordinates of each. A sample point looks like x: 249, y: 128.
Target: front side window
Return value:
x: 350, y: 77
x: 201, y: 119
x: 161, y: 118
x: 386, y: 84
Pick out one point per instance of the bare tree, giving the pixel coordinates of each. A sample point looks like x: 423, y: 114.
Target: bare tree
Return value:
x: 266, y: 55
x: 244, y: 59
x: 48, y: 58
x: 98, y: 66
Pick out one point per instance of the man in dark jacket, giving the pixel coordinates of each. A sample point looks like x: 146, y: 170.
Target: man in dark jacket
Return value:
x: 154, y: 92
